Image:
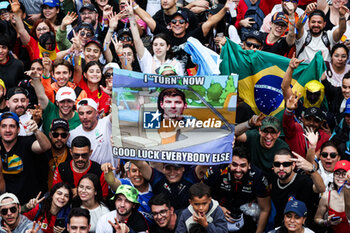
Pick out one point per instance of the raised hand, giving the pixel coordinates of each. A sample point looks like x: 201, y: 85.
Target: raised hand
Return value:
x: 292, y: 102
x: 37, y: 113
x: 311, y: 136
x: 256, y: 120
x: 119, y: 227
x: 34, y: 201
x: 118, y: 46
x: 295, y: 62
x: 34, y: 230
x: 15, y: 6
x: 301, y: 163
x: 69, y: 18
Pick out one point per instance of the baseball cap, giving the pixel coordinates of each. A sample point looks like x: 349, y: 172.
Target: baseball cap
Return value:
x: 129, y: 192
x: 215, y: 8
x: 86, y: 26
x: 172, y: 164
x: 347, y: 106
x: 181, y: 13
x: 256, y: 35
x: 9, y: 195
x: 271, y: 122
x: 87, y: 102
x: 89, y: 7
x: 65, y: 93
x: 60, y: 123
x: 10, y: 115
x: 51, y: 3
x: 95, y: 41
x: 124, y: 31
x: 111, y: 65
x: 280, y: 17
x: 315, y: 112
x: 342, y: 164
x: 166, y: 67
x: 298, y: 207
x: 16, y: 90
x: 4, y: 5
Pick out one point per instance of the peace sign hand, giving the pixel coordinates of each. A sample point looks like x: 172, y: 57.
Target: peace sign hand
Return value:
x: 34, y: 201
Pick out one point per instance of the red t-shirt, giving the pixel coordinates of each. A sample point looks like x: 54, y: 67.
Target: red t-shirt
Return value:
x: 33, y: 49
x: 46, y: 227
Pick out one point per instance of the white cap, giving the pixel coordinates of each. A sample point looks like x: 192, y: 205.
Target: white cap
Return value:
x: 65, y: 93
x: 87, y: 102
x: 110, y: 65
x: 9, y: 195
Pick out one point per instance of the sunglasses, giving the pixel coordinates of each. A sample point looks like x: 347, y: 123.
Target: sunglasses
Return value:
x: 181, y: 21
x: 13, y: 210
x: 284, y: 164
x: 267, y: 131
x: 77, y: 156
x: 56, y: 135
x: 325, y: 154
x: 108, y: 75
x: 250, y: 44
x: 127, y: 38
x: 87, y: 34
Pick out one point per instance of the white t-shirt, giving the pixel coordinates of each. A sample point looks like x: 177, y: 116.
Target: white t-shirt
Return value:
x: 149, y: 64
x: 95, y: 215
x: 337, y: 79
x: 314, y: 46
x: 100, y: 138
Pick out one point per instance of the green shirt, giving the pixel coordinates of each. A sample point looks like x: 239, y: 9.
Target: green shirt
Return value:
x: 51, y: 112
x: 260, y: 156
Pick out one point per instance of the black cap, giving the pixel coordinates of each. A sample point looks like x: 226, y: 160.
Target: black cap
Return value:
x: 59, y: 123
x: 88, y: 6
x: 85, y: 25
x: 124, y: 31
x: 95, y: 41
x: 181, y: 13
x: 14, y: 91
x: 315, y: 112
x: 256, y: 35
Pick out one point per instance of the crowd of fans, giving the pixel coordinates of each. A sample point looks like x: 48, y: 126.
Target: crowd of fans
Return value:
x: 58, y: 172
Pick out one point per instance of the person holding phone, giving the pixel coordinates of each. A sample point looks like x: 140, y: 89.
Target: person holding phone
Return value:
x: 333, y: 202
x: 54, y: 209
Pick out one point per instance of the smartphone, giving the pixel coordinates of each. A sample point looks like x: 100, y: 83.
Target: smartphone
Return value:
x: 60, y: 222
x: 335, y: 218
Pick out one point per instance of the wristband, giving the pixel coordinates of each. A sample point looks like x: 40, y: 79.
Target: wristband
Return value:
x: 110, y: 30
x: 289, y: 110
x: 44, y: 77
x: 343, y: 17
x: 247, y: 124
x: 120, y: 55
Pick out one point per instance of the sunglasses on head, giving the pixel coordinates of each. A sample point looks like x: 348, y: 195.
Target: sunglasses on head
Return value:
x: 56, y: 135
x: 87, y: 34
x: 77, y: 156
x: 284, y: 164
x: 123, y: 38
x: 325, y: 154
x: 250, y: 44
x: 181, y: 21
x: 13, y: 210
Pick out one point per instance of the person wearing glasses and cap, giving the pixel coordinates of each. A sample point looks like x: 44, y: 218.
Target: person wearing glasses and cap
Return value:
x: 11, y: 218
x: 288, y: 184
x: 71, y: 171
x: 19, y: 155
x: 253, y: 41
x: 126, y: 204
x: 59, y: 152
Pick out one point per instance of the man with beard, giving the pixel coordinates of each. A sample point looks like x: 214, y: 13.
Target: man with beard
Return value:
x: 11, y: 218
x: 316, y: 39
x: 97, y: 130
x: 289, y: 185
x: 71, y: 171
x: 125, y: 212
x: 312, y: 120
x: 63, y: 108
x: 19, y: 155
x: 59, y: 152
x: 237, y: 184
x: 262, y: 143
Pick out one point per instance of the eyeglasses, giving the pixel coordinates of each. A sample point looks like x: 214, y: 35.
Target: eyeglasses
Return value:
x: 266, y: 131
x: 77, y: 156
x: 284, y: 164
x: 181, y: 21
x: 340, y: 173
x: 13, y: 210
x: 42, y: 29
x: 56, y: 135
x: 250, y: 44
x: 162, y: 213
x: 108, y: 75
x: 87, y: 34
x: 325, y: 154
x: 281, y: 25
x: 125, y: 38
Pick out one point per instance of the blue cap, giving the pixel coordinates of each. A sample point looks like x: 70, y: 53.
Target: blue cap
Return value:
x: 51, y: 3
x: 347, y: 106
x: 298, y: 207
x: 10, y: 115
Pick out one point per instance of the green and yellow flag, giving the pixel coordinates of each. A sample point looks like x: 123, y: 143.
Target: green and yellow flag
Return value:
x: 261, y: 73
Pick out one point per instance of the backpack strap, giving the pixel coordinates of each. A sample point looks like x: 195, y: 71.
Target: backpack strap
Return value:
x: 306, y: 43
x: 328, y: 69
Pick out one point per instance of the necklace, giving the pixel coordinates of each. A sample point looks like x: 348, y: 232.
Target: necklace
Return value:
x: 279, y: 185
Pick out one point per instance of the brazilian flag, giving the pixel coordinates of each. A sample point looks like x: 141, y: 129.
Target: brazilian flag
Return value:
x: 261, y: 73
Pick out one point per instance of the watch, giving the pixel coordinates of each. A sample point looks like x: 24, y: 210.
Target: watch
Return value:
x: 313, y: 169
